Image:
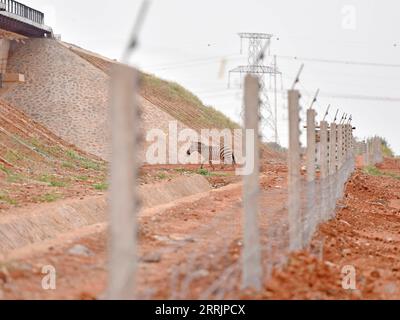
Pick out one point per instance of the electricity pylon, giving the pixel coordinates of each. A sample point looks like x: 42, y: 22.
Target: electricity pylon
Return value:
x: 257, y: 44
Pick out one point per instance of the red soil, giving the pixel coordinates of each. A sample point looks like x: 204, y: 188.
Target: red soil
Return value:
x: 203, y: 238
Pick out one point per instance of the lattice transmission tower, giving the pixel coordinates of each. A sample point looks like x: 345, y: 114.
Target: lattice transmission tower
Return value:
x: 257, y: 44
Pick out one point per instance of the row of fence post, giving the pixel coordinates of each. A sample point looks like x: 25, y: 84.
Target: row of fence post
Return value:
x: 329, y: 147
x: 371, y: 149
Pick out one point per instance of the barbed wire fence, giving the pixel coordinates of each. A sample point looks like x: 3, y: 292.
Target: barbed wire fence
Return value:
x: 256, y: 234
x: 241, y: 246
x: 371, y: 151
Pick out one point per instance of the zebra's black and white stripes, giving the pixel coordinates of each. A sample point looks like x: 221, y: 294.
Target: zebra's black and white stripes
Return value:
x: 222, y: 155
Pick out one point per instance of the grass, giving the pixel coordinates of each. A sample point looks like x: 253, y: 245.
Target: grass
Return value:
x: 12, y: 156
x: 68, y: 165
x: 82, y: 178
x: 12, y: 177
x: 52, y: 181
x: 172, y: 90
x: 48, y: 197
x: 7, y: 199
x: 175, y: 94
x: 374, y: 171
x: 203, y: 172
x: 84, y: 162
x: 162, y: 176
x: 5, y: 170
x: 183, y: 170
x: 103, y: 186
x: 206, y: 173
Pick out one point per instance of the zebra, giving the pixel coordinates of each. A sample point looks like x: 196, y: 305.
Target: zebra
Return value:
x: 224, y: 154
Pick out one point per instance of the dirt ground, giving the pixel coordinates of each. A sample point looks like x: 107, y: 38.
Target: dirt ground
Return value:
x: 365, y: 234
x: 187, y: 248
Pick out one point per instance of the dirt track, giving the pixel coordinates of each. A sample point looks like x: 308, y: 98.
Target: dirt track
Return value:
x: 365, y: 234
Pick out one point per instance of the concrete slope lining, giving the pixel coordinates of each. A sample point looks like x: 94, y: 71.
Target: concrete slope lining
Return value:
x: 63, y: 92
x: 22, y: 228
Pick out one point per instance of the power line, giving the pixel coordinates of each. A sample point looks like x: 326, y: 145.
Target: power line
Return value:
x: 193, y: 62
x: 216, y: 93
x: 346, y: 62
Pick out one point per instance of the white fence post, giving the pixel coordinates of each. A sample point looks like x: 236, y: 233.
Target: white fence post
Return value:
x: 294, y: 167
x: 339, y: 146
x: 324, y: 169
x: 252, y: 269
x: 310, y: 219
x: 125, y: 121
x: 332, y: 149
x: 345, y: 142
x: 324, y: 149
x: 333, y: 166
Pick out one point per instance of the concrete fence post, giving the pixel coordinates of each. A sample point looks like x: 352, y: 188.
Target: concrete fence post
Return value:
x: 373, y: 144
x: 324, y: 149
x: 346, y: 142
x: 309, y: 221
x: 350, y: 141
x: 368, y: 153
x: 333, y: 149
x: 294, y: 167
x: 252, y: 268
x: 311, y: 145
x: 333, y: 181
x: 123, y: 198
x: 339, y: 146
x: 324, y: 169
x: 364, y: 153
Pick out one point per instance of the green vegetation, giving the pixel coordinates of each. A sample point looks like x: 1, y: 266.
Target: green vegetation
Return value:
x: 68, y: 165
x: 172, y: 89
x: 183, y: 170
x: 48, y: 197
x: 374, y: 171
x: 4, y: 169
x: 103, y: 186
x: 7, y: 199
x: 219, y: 119
x: 203, y: 172
x: 184, y: 105
x: 82, y: 178
x: 12, y: 177
x: 386, y: 149
x: 162, y: 176
x: 84, y: 162
x: 52, y: 180
x: 206, y: 173
x: 12, y: 156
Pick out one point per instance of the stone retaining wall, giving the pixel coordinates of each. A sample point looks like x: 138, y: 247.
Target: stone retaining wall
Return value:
x: 69, y: 95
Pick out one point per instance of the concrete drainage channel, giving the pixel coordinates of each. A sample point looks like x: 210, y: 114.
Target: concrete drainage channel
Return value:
x: 46, y: 222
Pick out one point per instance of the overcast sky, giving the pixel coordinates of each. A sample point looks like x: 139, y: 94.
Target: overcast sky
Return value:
x: 195, y: 43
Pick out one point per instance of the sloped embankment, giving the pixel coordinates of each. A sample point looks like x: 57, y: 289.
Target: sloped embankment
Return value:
x: 168, y: 96
x: 174, y: 100
x: 69, y: 95
x: 37, y: 166
x: 63, y: 92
